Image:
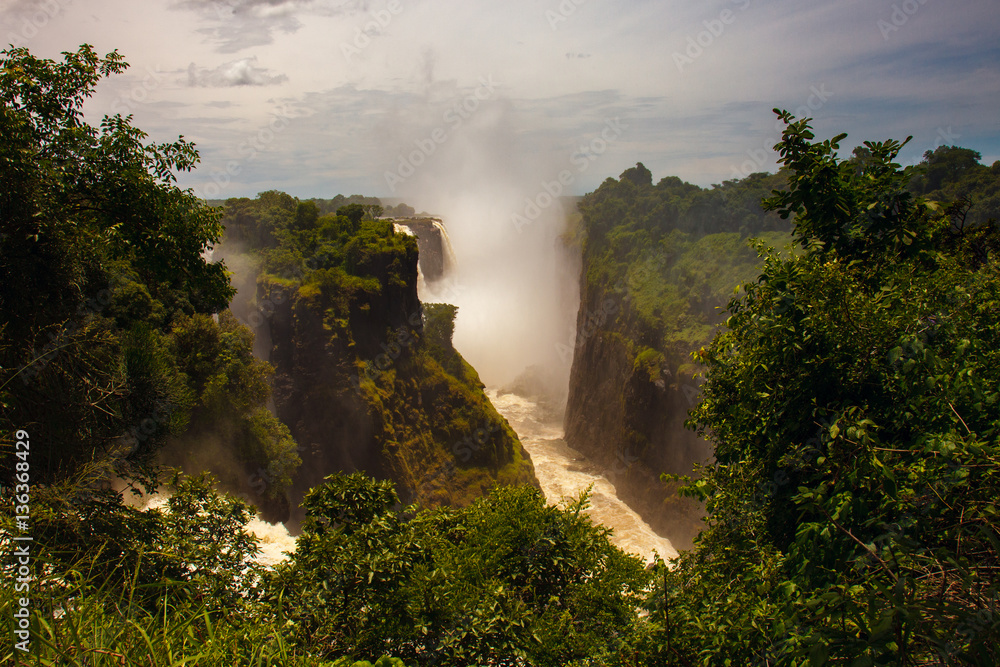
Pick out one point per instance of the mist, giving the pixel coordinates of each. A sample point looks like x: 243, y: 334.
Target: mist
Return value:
x: 460, y: 155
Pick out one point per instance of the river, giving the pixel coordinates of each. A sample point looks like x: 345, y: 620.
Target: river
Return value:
x: 564, y: 472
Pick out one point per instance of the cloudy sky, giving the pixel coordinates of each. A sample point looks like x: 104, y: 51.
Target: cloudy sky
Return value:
x: 387, y: 97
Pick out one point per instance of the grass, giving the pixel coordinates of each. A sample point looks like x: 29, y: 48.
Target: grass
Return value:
x: 78, y: 621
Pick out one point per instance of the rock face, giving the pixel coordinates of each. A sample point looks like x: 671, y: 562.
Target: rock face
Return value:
x: 361, y: 387
x: 630, y: 417
x: 660, y: 263
x: 436, y: 256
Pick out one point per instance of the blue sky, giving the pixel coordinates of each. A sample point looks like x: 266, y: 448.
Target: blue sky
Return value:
x: 319, y: 97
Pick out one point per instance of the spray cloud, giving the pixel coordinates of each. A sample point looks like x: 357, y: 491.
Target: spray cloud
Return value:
x: 461, y: 155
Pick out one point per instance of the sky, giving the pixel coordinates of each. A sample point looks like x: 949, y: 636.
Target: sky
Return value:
x: 395, y: 97
x: 484, y: 113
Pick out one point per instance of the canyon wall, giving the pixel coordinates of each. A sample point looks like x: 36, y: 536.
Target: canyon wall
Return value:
x: 659, y: 265
x: 365, y: 376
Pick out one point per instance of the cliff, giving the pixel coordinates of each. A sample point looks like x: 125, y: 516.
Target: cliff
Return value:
x: 365, y: 375
x: 436, y: 255
x: 659, y: 264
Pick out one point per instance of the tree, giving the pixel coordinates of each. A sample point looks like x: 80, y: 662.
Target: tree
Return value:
x: 100, y: 252
x: 439, y: 324
x: 374, y: 211
x: 353, y: 212
x: 507, y: 578
x: 853, y: 404
x: 638, y: 175
x: 306, y: 215
x: 945, y: 165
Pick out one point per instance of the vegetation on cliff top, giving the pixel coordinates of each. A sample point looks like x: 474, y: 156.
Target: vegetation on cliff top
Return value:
x: 672, y: 253
x: 345, y: 285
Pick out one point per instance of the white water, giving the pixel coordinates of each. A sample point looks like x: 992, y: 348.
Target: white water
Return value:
x: 274, y: 543
x: 564, y: 472
x: 448, y: 259
x: 273, y: 539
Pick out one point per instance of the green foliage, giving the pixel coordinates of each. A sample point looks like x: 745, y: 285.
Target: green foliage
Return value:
x: 290, y: 239
x: 854, y: 407
x: 506, y: 578
x: 349, y: 285
x: 649, y: 361
x: 217, y: 362
x: 109, y: 348
x: 439, y: 327
x: 306, y: 215
x: 672, y: 254
x: 439, y: 323
x: 660, y: 262
x: 400, y: 210
x: 115, y: 585
x: 100, y: 253
x: 198, y: 543
x: 953, y: 176
x: 444, y: 441
x: 353, y: 212
x: 384, y: 661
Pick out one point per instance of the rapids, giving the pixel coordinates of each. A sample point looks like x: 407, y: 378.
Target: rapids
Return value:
x: 564, y: 472
x: 274, y: 540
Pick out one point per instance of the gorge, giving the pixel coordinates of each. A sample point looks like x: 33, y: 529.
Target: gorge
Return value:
x: 428, y: 432
x: 321, y: 387
x: 580, y: 324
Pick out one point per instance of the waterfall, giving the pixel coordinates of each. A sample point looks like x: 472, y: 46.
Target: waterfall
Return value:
x: 448, y: 260
x: 437, y: 262
x: 207, y: 255
x: 400, y: 228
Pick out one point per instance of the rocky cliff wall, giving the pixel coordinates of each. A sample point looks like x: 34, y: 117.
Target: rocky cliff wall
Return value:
x: 362, y: 387
x: 629, y: 416
x: 660, y: 263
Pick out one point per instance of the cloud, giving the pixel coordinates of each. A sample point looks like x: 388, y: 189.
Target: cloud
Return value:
x: 242, y: 72
x: 223, y: 9
x: 242, y: 24
x: 937, y: 75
